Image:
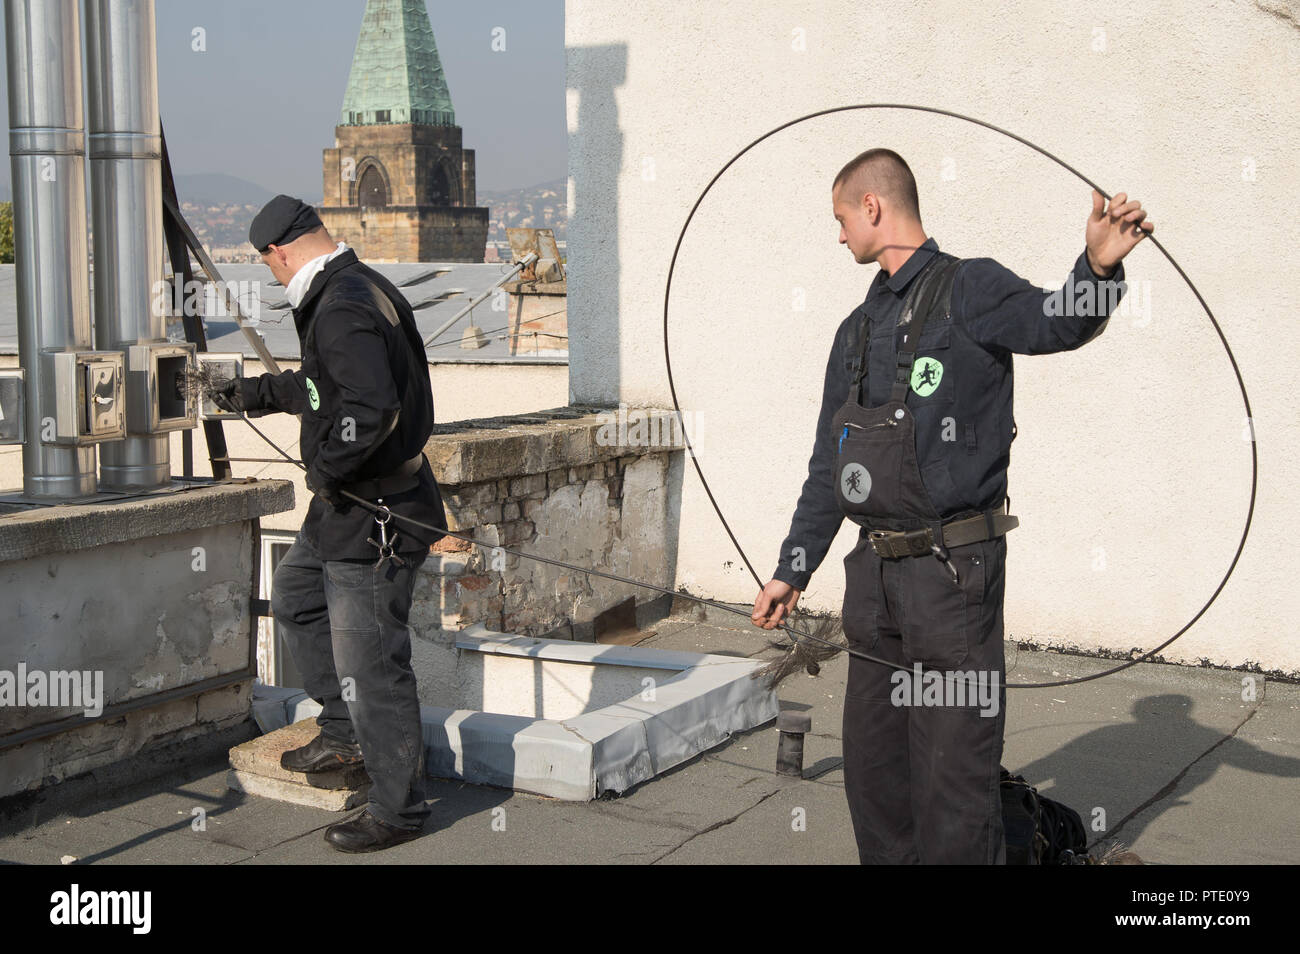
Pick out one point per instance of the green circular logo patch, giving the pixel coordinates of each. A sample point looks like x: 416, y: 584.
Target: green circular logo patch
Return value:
x: 312, y: 396
x: 926, y: 375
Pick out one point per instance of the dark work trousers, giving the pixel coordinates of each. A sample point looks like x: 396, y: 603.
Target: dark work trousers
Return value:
x: 347, y: 619
x: 922, y: 781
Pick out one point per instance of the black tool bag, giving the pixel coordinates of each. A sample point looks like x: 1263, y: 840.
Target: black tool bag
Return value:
x: 1040, y: 830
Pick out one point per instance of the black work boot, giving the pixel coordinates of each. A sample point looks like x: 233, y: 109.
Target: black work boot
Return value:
x: 321, y: 755
x: 368, y: 833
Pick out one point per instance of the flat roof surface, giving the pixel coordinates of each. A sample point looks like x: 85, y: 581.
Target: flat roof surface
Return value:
x: 1186, y: 771
x: 436, y: 291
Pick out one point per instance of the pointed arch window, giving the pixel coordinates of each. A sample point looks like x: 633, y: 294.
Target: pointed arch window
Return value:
x: 440, y: 186
x: 371, y: 191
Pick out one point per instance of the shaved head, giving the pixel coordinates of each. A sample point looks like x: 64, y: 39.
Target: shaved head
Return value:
x: 884, y: 173
x: 285, y: 260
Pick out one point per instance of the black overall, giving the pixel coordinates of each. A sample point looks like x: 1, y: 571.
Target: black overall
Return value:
x: 921, y: 780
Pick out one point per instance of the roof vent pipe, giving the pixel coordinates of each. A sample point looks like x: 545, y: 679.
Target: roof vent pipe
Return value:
x: 125, y: 149
x: 48, y: 163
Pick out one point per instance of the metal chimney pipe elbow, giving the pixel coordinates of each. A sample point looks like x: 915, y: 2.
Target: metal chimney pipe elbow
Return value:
x: 125, y: 150
x: 48, y: 161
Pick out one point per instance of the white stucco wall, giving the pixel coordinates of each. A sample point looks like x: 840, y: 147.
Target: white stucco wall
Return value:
x: 1130, y: 475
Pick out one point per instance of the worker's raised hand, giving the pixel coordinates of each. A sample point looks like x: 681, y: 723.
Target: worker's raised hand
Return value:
x: 1113, y: 231
x: 773, y: 604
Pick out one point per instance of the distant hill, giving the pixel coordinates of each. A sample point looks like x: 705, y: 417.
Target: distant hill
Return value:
x: 217, y: 188
x: 558, y: 188
x: 544, y: 205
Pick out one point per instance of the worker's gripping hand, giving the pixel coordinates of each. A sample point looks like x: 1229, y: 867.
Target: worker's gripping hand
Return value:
x: 1113, y: 232
x: 325, y: 489
x: 229, y: 397
x: 774, y: 603
x: 239, y: 396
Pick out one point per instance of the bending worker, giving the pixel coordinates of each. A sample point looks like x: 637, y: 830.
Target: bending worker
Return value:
x: 367, y: 409
x: 912, y: 443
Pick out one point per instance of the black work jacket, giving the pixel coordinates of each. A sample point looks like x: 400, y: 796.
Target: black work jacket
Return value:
x: 366, y: 405
x: 964, y: 427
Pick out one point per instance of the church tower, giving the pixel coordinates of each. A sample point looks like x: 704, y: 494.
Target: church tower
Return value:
x: 398, y: 185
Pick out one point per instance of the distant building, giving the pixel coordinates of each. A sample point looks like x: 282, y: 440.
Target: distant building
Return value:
x: 398, y: 185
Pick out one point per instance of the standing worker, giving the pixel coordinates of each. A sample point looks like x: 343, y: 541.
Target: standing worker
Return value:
x: 367, y: 410
x: 921, y: 466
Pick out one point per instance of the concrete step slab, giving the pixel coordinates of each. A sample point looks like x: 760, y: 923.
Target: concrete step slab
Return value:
x: 261, y: 756
x: 332, y: 800
x: 255, y: 769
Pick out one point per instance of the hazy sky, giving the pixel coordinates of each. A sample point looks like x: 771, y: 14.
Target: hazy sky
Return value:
x: 261, y: 103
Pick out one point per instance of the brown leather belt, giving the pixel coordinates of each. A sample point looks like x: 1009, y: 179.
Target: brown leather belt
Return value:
x: 399, y: 481
x: 911, y: 543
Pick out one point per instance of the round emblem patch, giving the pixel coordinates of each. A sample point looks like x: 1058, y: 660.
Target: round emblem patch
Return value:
x: 855, y: 483
x: 312, y: 397
x: 926, y: 375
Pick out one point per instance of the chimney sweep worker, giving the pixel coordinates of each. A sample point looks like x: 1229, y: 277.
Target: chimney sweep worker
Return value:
x: 912, y: 443
x: 367, y: 409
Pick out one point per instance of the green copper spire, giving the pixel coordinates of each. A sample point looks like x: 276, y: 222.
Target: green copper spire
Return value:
x: 396, y: 74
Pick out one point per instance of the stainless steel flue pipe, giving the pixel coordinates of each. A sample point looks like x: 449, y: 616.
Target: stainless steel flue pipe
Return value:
x: 125, y: 150
x: 48, y: 162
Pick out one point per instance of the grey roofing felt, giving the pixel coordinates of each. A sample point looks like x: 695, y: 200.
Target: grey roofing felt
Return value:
x: 436, y: 292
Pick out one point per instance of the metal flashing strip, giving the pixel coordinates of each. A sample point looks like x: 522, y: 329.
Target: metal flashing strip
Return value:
x: 611, y: 748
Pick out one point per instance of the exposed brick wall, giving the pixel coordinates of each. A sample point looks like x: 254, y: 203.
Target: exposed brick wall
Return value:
x: 52, y: 759
x: 553, y: 490
x: 574, y: 510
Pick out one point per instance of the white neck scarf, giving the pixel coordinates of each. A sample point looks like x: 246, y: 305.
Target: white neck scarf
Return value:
x: 302, y: 278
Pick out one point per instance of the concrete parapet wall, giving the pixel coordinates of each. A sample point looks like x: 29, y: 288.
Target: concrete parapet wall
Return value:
x: 126, y: 622
x: 560, y: 484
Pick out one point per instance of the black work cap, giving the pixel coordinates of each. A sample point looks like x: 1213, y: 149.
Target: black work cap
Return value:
x: 282, y: 220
